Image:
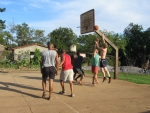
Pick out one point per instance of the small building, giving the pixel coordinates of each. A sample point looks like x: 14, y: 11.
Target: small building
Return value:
x: 30, y: 48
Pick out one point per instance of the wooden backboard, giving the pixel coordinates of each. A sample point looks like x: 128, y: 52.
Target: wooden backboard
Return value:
x: 87, y: 22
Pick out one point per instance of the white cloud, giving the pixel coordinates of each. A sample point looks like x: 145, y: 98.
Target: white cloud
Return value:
x: 110, y: 15
x: 35, y: 6
x: 4, y: 2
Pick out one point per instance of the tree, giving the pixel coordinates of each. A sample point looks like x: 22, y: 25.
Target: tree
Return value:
x: 137, y: 43
x: 23, y: 34
x: 37, y: 57
x: 39, y: 37
x: 62, y: 38
x: 2, y: 23
x: 2, y: 40
x: 120, y: 41
x: 86, y: 43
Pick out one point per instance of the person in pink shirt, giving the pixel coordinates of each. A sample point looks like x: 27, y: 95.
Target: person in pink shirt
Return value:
x: 66, y: 72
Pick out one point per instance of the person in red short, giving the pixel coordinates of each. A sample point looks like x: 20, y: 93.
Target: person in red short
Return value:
x: 95, y: 65
x: 66, y: 72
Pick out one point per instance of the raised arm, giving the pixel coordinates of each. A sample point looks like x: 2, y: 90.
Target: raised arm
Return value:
x: 103, y: 39
x: 97, y: 45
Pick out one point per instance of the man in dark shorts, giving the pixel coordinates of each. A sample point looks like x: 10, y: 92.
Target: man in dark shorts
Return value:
x: 79, y: 68
x: 103, y: 63
x: 49, y: 67
x: 73, y: 62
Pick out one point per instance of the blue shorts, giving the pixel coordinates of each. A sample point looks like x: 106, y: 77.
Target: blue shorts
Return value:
x: 103, y: 63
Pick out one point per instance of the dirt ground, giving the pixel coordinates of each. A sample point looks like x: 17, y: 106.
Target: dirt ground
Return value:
x: 20, y: 92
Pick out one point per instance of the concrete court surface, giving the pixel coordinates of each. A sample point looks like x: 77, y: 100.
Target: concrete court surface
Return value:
x: 20, y: 92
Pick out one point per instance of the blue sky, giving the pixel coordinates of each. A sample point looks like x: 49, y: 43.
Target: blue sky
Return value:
x: 48, y: 15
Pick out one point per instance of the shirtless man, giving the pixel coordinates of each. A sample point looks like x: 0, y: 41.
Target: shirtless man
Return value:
x: 103, y: 63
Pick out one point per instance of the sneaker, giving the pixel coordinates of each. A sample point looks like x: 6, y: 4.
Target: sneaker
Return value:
x: 62, y: 92
x: 72, y: 95
x: 104, y: 79
x: 109, y: 79
x: 44, y: 95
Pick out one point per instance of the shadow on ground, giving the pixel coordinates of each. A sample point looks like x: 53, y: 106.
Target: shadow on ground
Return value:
x: 7, y: 88
x: 145, y: 112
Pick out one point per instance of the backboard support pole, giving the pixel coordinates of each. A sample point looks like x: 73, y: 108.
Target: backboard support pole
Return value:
x: 116, y: 54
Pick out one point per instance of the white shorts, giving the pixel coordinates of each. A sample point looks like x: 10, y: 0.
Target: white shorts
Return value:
x: 67, y: 75
x: 80, y: 71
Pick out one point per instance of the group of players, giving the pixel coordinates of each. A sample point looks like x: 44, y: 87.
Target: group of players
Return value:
x: 70, y: 67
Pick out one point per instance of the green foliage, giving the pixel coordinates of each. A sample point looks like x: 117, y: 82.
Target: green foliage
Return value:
x: 86, y: 43
x: 2, y: 23
x: 137, y: 43
x: 24, y: 60
x: 134, y: 78
x: 2, y: 40
x: 38, y: 37
x: 23, y: 34
x: 37, y: 57
x: 62, y: 38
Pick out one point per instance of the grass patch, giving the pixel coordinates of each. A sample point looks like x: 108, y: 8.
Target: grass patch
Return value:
x: 134, y: 78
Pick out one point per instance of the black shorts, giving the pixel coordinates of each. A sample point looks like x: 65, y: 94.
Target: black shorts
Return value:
x: 74, y: 70
x: 48, y: 72
x: 103, y: 63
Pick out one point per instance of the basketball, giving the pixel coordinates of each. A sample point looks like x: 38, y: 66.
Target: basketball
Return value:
x: 96, y: 27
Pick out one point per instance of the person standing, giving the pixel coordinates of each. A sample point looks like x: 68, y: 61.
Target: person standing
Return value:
x: 49, y: 67
x: 103, y: 63
x: 66, y: 72
x: 79, y: 68
x: 73, y: 62
x: 95, y: 65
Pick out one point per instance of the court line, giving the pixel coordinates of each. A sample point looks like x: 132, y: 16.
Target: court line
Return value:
x: 60, y: 100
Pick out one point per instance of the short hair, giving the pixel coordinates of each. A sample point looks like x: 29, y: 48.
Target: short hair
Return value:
x: 105, y: 45
x: 50, y: 44
x: 62, y: 51
x: 97, y: 39
x: 96, y: 50
x: 78, y: 53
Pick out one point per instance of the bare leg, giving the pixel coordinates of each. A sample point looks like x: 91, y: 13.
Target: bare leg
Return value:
x: 62, y: 85
x: 93, y: 79
x: 44, y: 85
x: 77, y: 77
x: 96, y: 80
x: 44, y: 88
x: 74, y: 76
x: 71, y: 86
x: 103, y: 73
x: 108, y: 74
x: 81, y: 82
x: 106, y: 70
x: 50, y: 87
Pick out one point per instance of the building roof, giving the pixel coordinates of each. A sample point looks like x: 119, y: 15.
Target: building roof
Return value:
x: 28, y: 46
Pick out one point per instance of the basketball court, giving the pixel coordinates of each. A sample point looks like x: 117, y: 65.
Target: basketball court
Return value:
x: 20, y: 92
